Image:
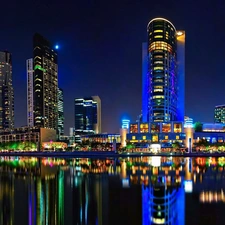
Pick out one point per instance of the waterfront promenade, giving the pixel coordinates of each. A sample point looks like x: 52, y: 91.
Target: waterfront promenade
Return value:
x: 106, y: 154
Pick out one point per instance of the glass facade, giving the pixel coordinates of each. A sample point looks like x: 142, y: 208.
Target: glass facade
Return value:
x: 163, y: 63
x: 45, y: 64
x: 86, y: 115
x: 60, y: 113
x: 219, y: 114
x: 6, y: 91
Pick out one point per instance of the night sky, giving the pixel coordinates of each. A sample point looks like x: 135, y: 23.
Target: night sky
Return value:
x: 100, y: 51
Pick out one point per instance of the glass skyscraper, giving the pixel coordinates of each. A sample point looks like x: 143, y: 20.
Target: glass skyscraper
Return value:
x: 30, y: 93
x: 6, y: 91
x: 60, y: 113
x: 163, y: 73
x: 219, y: 114
x: 45, y: 64
x: 87, y: 115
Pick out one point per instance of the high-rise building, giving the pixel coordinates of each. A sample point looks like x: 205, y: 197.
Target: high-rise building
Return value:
x: 219, y: 114
x: 6, y: 91
x: 30, y: 93
x: 87, y: 115
x: 45, y: 83
x: 163, y: 73
x: 60, y: 113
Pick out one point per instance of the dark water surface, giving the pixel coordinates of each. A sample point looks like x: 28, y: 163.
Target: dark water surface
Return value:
x: 123, y: 191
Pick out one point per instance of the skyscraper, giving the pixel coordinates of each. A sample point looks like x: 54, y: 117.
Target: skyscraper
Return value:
x: 60, y: 113
x: 219, y: 114
x: 45, y: 83
x: 87, y: 115
x: 163, y: 72
x: 6, y: 91
x: 30, y: 93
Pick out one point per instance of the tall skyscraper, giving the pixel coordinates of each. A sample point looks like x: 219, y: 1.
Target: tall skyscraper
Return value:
x: 87, y: 115
x: 6, y: 91
x: 60, y: 113
x: 163, y: 72
x: 30, y: 93
x: 45, y: 83
x: 219, y: 114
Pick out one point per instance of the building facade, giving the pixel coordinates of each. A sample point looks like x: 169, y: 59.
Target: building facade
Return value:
x: 163, y: 72
x: 45, y: 64
x: 87, y: 115
x: 60, y: 113
x: 6, y: 91
x: 30, y: 93
x: 219, y: 114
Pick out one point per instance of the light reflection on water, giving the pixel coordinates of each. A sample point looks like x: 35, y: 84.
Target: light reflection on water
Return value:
x: 144, y: 190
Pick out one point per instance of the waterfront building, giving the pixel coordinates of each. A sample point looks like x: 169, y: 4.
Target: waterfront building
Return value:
x: 123, y: 131
x: 60, y: 113
x: 27, y: 135
x: 219, y: 114
x: 30, y: 93
x: 102, y: 138
x: 87, y: 115
x: 163, y: 73
x: 6, y: 91
x: 45, y: 96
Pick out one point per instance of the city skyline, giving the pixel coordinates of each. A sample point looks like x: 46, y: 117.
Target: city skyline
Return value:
x: 113, y: 62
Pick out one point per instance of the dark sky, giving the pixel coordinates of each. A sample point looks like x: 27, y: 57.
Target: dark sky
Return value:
x: 100, y: 51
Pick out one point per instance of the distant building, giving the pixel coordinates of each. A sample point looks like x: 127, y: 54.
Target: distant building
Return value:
x: 87, y: 115
x: 30, y: 93
x: 102, y: 138
x: 45, y: 63
x: 163, y: 58
x: 6, y: 91
x: 60, y: 113
x: 219, y: 114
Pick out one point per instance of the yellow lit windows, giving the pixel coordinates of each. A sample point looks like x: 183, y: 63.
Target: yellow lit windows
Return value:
x: 158, y: 97
x: 158, y: 62
x: 158, y: 56
x: 177, y: 128
x: 133, y: 137
x: 158, y: 31
x: 158, y: 89
x: 166, y: 127
x: 155, y: 128
x: 158, y: 36
x: 155, y: 138
x: 166, y: 137
x: 177, y: 137
x: 144, y: 128
x: 133, y: 128
x: 144, y: 137
x: 158, y: 68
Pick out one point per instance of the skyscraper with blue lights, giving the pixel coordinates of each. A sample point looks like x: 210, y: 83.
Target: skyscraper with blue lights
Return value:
x: 163, y: 75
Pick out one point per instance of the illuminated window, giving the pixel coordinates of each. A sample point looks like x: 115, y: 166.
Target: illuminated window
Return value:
x: 155, y: 138
x: 166, y: 137
x: 155, y: 128
x: 133, y: 137
x: 158, y: 36
x: 177, y: 137
x: 158, y: 68
x: 166, y: 127
x: 158, y: 31
x: 144, y: 137
x: 144, y: 128
x: 177, y: 128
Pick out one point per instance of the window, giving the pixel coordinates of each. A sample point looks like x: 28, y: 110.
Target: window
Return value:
x: 144, y: 137
x: 158, y: 31
x: 133, y: 137
x: 177, y: 137
x: 166, y: 137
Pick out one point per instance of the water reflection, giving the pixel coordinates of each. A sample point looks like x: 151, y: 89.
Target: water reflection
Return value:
x: 135, y: 191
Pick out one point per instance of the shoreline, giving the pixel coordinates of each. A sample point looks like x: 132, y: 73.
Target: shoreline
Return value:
x: 105, y: 154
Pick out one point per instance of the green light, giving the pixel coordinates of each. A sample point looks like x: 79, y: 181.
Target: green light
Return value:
x: 38, y: 67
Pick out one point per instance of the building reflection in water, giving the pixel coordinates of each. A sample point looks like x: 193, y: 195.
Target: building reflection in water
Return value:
x: 135, y: 191
x: 163, y: 199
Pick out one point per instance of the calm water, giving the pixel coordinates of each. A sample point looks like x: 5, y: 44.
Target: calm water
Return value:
x: 130, y: 191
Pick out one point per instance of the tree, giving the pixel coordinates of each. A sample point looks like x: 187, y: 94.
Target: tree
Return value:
x: 198, y: 127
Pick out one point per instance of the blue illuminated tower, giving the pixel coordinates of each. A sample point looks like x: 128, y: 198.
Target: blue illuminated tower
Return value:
x: 163, y: 74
